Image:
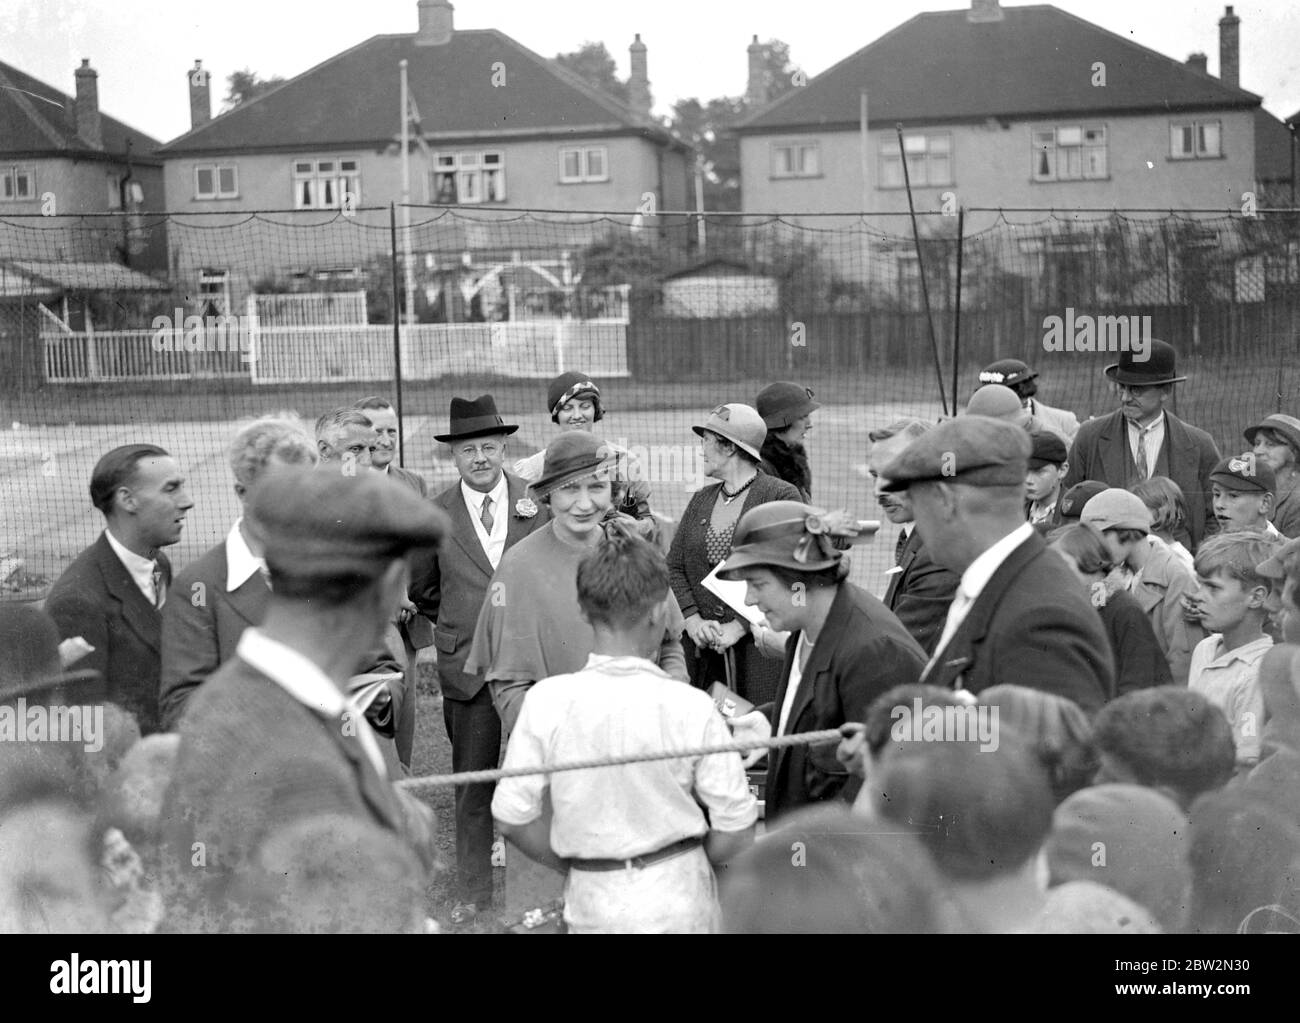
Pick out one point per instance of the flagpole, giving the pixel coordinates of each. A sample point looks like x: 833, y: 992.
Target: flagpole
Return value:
x: 407, y: 263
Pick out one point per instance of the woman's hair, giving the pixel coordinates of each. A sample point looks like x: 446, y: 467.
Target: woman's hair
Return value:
x: 600, y: 472
x: 736, y: 448
x: 622, y: 579
x: 1084, y: 546
x: 1054, y: 727
x: 1165, y: 500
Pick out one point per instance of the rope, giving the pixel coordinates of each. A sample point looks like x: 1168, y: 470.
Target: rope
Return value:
x: 474, y: 777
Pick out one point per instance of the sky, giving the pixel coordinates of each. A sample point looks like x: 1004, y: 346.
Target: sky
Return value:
x: 143, y: 48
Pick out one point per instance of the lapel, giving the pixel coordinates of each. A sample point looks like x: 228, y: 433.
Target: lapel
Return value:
x: 1113, y: 447
x: 516, y: 527
x: 139, y: 615
x: 910, y: 550
x: 377, y: 792
x: 249, y: 600
x: 462, y: 531
x: 1177, y: 458
x: 819, y: 662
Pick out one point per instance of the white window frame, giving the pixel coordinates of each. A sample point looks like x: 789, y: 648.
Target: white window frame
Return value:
x: 216, y: 170
x: 1084, y: 142
x: 586, y: 155
x: 1200, y: 151
x: 10, y: 176
x: 927, y: 152
x: 787, y: 166
x: 480, y: 175
x: 325, y: 183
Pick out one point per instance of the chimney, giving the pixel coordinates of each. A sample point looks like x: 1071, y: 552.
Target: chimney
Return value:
x: 983, y: 10
x: 200, y: 95
x: 1198, y: 62
x: 756, y: 91
x: 435, y: 23
x: 1229, y: 49
x: 638, y: 84
x: 89, y: 126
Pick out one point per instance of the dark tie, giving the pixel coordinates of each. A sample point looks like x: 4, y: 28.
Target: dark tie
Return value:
x: 159, y: 594
x: 900, y: 546
x: 485, y: 515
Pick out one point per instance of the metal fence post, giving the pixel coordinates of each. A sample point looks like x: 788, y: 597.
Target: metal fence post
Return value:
x: 397, y: 334
x: 956, y: 315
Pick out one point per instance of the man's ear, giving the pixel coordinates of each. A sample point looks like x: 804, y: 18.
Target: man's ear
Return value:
x: 125, y: 500
x: 323, y: 448
x: 1266, y: 503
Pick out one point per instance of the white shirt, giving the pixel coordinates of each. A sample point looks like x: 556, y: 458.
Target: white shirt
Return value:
x: 615, y: 706
x: 975, y: 578
x: 241, y: 562
x: 494, y: 544
x: 1151, y: 437
x: 796, y: 677
x: 141, y: 569
x: 307, y: 684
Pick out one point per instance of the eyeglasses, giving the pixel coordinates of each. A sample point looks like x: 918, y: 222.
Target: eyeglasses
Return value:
x: 486, y: 450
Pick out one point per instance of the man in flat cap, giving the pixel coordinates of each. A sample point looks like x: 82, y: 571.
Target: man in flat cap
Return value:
x: 1019, y: 615
x: 1024, y: 381
x: 1142, y: 439
x: 273, y: 737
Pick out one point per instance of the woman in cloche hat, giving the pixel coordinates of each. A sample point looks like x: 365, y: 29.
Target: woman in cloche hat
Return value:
x: 787, y: 411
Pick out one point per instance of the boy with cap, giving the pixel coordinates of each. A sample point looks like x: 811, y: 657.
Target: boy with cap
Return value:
x: 1159, y: 582
x: 1225, y: 667
x: 1047, y: 468
x: 1243, y: 488
x: 635, y: 840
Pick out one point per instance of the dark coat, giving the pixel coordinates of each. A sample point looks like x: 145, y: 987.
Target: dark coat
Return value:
x: 861, y: 652
x: 201, y: 625
x: 1139, y: 661
x: 1032, y: 625
x: 97, y: 599
x: 411, y: 478
x: 788, y: 462
x: 449, y: 587
x: 1188, y: 455
x: 919, y: 594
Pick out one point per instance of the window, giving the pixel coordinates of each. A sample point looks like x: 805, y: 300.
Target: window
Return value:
x: 325, y: 184
x: 796, y: 160
x: 1070, y: 153
x: 929, y: 159
x: 216, y: 181
x: 1195, y: 140
x: 214, y: 292
x: 583, y: 164
x: 16, y: 184
x: 468, y: 178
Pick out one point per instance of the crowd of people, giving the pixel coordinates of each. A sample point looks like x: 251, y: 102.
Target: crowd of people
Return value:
x: 1075, y: 707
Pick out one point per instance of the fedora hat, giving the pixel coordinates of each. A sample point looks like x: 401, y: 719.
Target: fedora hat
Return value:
x: 477, y: 418
x: 787, y: 534
x: 571, y: 456
x: 740, y: 424
x: 1159, y: 368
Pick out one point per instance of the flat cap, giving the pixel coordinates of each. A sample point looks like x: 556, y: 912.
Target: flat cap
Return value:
x: 1116, y: 509
x: 1073, y: 500
x: 320, y: 522
x: 1246, y: 474
x: 1049, y: 449
x: 973, y: 450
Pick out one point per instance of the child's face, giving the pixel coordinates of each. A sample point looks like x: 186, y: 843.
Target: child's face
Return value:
x: 1044, y: 483
x: 1224, y: 601
x: 1117, y: 548
x: 1238, y: 510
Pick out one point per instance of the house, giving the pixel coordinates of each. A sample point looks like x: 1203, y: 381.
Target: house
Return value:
x: 719, y: 288
x: 1006, y: 107
x: 495, y: 125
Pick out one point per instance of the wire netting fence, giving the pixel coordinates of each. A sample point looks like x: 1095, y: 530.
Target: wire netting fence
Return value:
x: 170, y: 328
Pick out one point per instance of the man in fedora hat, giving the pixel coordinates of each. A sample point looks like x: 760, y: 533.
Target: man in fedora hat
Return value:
x: 490, y: 511
x: 1024, y: 381
x: 1142, y: 439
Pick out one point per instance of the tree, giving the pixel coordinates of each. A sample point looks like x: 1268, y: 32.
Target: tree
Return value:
x: 593, y: 64
x: 245, y: 85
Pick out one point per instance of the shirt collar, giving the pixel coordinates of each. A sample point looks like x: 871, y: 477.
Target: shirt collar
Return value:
x: 241, y: 562
x: 141, y: 568
x: 622, y: 664
x: 1159, y: 421
x: 474, y: 498
x: 980, y: 571
x: 1248, y: 654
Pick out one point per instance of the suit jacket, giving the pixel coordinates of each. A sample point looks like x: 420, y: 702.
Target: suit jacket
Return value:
x: 1032, y: 625
x: 97, y: 599
x: 411, y: 478
x: 1188, y: 455
x: 449, y: 587
x: 920, y: 593
x: 201, y: 625
x: 861, y: 652
x: 1062, y: 422
x: 253, y: 759
x: 416, y: 631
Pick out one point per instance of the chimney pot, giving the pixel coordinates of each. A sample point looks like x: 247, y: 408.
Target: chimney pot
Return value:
x: 1198, y: 62
x: 756, y: 92
x: 436, y: 23
x: 199, y: 81
x: 984, y: 10
x: 638, y: 83
x: 1230, y: 49
x: 89, y: 124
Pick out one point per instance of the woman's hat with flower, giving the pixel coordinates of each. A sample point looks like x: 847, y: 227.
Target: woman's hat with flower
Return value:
x: 788, y: 534
x: 740, y: 424
x: 571, y: 456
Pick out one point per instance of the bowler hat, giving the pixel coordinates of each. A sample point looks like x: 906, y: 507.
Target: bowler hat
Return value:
x: 787, y: 534
x: 1287, y: 427
x: 568, y: 386
x: 477, y: 418
x: 31, y: 663
x: 1245, y: 474
x: 1008, y: 372
x: 781, y: 403
x: 1159, y: 367
x: 973, y: 450
x: 571, y: 456
x: 740, y: 424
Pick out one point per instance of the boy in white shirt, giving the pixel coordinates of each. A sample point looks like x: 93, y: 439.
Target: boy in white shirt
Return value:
x: 639, y: 840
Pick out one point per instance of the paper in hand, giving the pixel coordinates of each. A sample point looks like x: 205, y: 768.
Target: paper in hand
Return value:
x: 362, y: 689
x: 732, y: 593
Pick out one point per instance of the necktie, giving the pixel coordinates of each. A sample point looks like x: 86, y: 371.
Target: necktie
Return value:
x: 159, y: 594
x: 1143, y: 469
x: 485, y: 515
x: 900, y: 547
